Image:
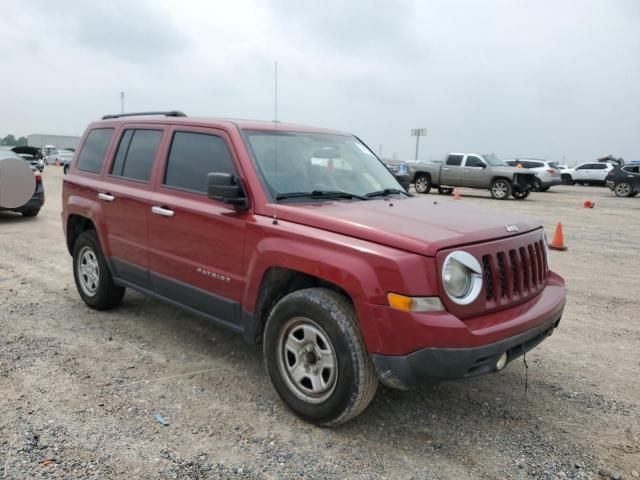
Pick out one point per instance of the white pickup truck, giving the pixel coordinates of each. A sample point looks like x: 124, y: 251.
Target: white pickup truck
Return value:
x: 475, y: 171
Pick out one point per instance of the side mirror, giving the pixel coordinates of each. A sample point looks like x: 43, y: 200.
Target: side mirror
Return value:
x: 227, y: 188
x: 483, y: 165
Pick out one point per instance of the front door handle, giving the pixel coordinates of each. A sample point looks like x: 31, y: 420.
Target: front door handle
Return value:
x: 107, y: 197
x: 445, y: 169
x: 165, y: 212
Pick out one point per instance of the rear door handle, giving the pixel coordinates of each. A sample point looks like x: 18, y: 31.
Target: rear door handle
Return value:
x: 165, y: 212
x: 107, y: 197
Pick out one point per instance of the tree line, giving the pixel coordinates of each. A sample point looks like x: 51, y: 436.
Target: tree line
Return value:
x: 12, y: 141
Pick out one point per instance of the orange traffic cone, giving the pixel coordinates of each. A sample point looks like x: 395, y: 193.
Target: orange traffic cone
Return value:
x: 589, y: 204
x: 557, y: 242
x: 456, y: 194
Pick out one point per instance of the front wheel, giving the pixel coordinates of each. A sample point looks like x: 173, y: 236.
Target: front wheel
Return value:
x: 623, y: 189
x: 500, y: 189
x: 316, y: 358
x: 567, y: 179
x: 423, y: 183
x: 520, y: 194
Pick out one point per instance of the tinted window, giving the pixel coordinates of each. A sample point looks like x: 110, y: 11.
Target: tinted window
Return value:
x: 136, y: 153
x: 118, y: 163
x: 454, y: 160
x: 473, y: 162
x: 94, y: 150
x: 554, y: 165
x: 531, y: 164
x: 192, y: 157
x: 586, y: 166
x: 632, y: 169
x: 598, y: 166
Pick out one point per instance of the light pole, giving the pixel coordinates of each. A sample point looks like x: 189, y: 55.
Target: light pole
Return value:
x: 121, y: 102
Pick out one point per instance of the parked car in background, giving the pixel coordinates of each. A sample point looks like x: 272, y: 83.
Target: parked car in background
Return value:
x: 33, y: 155
x: 287, y: 235
x: 589, y: 173
x: 624, y: 180
x: 400, y: 170
x: 547, y: 173
x: 33, y: 206
x: 59, y: 157
x: 474, y: 171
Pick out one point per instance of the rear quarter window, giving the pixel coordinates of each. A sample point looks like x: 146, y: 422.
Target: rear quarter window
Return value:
x: 455, y: 160
x: 94, y: 150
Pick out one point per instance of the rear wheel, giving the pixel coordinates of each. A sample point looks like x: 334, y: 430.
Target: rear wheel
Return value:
x: 567, y: 179
x: 32, y: 212
x: 623, y: 189
x: 316, y: 358
x: 445, y: 190
x: 423, y: 183
x: 91, y: 272
x: 537, y: 185
x: 500, y: 189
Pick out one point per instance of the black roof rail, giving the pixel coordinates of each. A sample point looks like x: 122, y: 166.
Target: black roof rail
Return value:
x: 169, y: 113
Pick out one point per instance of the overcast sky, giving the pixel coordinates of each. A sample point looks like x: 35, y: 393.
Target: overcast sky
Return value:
x: 547, y: 78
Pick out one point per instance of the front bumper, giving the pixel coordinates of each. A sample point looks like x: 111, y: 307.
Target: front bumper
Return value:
x: 413, y: 348
x: 431, y: 365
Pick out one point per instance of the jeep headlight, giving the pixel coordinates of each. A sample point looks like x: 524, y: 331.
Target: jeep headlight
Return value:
x: 461, y: 277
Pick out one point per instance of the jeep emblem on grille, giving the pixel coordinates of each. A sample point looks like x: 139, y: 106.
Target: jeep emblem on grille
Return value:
x: 512, y: 228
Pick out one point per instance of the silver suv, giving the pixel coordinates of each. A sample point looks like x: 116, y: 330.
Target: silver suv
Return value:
x: 547, y: 173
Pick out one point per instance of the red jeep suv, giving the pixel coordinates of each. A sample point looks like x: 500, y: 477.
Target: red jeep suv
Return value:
x: 301, y: 239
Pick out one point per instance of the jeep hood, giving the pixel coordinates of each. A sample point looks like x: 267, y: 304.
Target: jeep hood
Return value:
x: 419, y: 225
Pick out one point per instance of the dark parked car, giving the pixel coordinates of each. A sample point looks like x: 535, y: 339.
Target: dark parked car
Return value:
x: 624, y: 180
x: 33, y: 206
x: 400, y: 170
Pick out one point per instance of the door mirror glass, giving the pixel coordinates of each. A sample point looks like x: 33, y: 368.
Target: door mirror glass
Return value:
x: 227, y: 188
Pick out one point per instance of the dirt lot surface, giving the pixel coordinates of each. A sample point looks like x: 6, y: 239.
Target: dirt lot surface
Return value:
x: 79, y: 389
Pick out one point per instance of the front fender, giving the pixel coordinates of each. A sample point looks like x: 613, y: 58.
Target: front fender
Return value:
x: 365, y: 270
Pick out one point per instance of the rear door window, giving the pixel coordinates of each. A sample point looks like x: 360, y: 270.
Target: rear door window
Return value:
x: 94, y: 149
x: 136, y: 154
x: 599, y: 166
x: 454, y: 160
x: 192, y: 157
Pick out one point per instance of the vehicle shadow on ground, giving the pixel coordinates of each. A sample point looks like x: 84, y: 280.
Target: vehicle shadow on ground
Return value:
x: 494, y: 410
x: 13, y: 217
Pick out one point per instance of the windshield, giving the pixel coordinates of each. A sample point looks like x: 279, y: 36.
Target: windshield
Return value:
x: 494, y: 161
x: 297, y: 162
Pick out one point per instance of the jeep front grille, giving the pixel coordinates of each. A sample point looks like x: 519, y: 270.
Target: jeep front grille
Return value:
x: 514, y: 274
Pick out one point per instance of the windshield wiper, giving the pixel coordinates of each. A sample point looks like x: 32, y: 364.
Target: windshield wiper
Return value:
x: 320, y: 194
x: 386, y: 192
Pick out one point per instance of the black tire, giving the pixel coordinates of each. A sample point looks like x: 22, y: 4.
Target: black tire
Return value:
x: 500, y: 189
x: 422, y: 183
x: 445, y: 190
x: 520, y: 194
x: 107, y: 294
x: 32, y: 212
x: 537, y: 184
x: 567, y: 179
x: 65, y: 170
x: 354, y: 380
x: 623, y: 189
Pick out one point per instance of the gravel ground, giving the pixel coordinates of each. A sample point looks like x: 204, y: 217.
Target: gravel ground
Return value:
x: 79, y: 389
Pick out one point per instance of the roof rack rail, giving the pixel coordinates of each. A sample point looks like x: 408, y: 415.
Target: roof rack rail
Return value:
x: 169, y: 113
